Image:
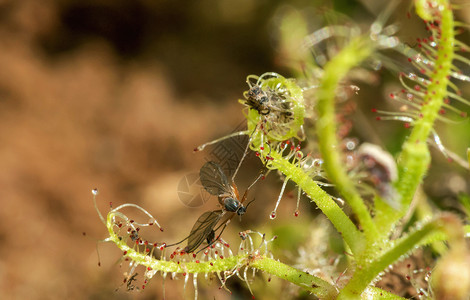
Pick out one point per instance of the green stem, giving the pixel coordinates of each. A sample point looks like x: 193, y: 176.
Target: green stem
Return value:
x: 351, y: 235
x: 365, y: 275
x: 335, y: 70
x: 445, y: 227
x: 313, y: 284
x: 373, y: 292
x: 415, y: 157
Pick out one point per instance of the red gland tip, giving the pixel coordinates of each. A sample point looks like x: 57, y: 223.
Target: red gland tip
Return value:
x: 374, y: 110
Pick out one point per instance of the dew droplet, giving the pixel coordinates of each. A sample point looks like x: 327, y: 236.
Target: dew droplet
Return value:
x: 273, y: 215
x: 94, y: 192
x: 350, y: 145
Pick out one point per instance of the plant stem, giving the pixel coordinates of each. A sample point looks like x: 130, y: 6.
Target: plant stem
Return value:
x: 364, y: 276
x: 313, y: 284
x: 351, y: 235
x: 335, y: 70
x: 415, y: 157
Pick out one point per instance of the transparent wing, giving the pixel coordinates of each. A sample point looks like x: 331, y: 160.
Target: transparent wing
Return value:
x: 202, y: 229
x: 213, y: 179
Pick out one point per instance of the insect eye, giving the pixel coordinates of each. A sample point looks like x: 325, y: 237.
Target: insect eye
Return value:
x: 241, y: 211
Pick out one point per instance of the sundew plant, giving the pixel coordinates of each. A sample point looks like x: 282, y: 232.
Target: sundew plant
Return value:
x: 299, y: 129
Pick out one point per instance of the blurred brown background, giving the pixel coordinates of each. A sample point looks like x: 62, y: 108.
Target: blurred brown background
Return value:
x: 115, y: 95
x: 112, y: 95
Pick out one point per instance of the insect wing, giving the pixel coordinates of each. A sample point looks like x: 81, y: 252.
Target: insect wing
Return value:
x: 202, y: 229
x: 213, y: 179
